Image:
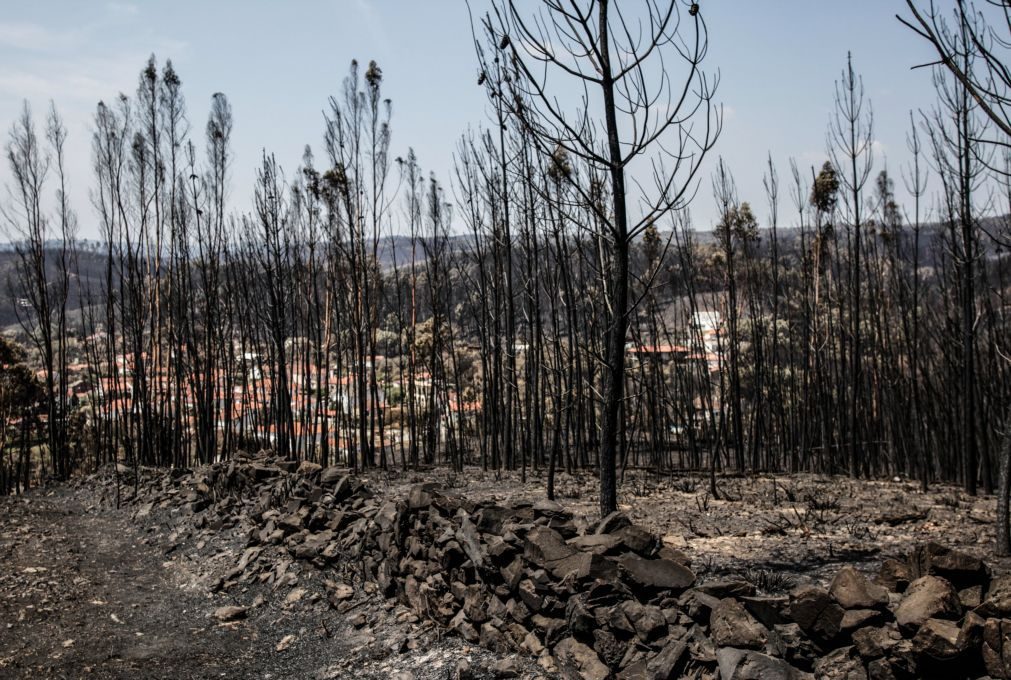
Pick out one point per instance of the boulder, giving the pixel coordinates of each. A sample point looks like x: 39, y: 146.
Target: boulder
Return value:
x: 584, y: 566
x: 840, y: 664
x: 647, y: 622
x: 544, y: 546
x: 852, y: 590
x: 612, y: 523
x: 730, y: 625
x: 746, y: 664
x: 655, y: 575
x: 872, y: 642
x: 668, y: 664
x: 997, y: 647
x: 928, y: 597
x: 997, y: 602
x: 816, y: 612
x: 938, y: 639
x: 574, y: 654
x: 599, y: 544
x: 894, y: 576
x: 959, y: 568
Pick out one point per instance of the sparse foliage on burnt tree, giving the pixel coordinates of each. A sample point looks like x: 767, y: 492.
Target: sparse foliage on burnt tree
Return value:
x: 637, y: 71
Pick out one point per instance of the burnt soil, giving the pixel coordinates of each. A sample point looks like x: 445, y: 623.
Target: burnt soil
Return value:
x: 90, y: 591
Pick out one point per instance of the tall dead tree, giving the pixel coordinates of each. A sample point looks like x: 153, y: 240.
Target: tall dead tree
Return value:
x: 850, y: 144
x: 619, y: 61
x: 43, y: 246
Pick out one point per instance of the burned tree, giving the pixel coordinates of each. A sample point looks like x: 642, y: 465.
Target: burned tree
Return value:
x: 618, y: 60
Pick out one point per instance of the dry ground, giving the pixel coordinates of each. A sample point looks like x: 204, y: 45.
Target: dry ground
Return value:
x: 768, y: 527
x: 87, y: 590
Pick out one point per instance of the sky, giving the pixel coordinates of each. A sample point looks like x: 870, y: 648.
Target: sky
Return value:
x: 279, y: 61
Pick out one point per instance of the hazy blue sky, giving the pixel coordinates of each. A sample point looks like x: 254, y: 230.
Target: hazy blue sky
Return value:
x: 278, y: 62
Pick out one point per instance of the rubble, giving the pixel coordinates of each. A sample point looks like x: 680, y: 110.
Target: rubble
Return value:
x: 600, y: 601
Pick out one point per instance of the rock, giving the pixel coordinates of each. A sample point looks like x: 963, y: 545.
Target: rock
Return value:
x: 730, y: 625
x: 584, y: 566
x: 880, y: 669
x: 229, y: 613
x: 960, y: 569
x: 340, y: 591
x: 608, y: 647
x: 506, y: 668
x: 544, y: 546
x: 492, y: 638
x: 462, y: 671
x: 600, y: 544
x: 873, y: 643
x: 529, y: 595
x: 654, y: 575
x: 294, y: 596
x: 858, y: 618
x: 971, y: 597
x: 668, y: 664
x: 548, y: 508
x: 852, y: 590
x: 997, y: 602
x: 927, y: 597
x: 746, y: 664
x: 816, y: 612
x: 894, y: 576
x: 575, y: 654
x: 727, y: 588
x: 579, y: 619
x: 647, y: 622
x: 331, y: 475
x: 470, y: 540
x: 284, y: 643
x: 637, y: 540
x: 938, y: 639
x: 612, y: 523
x: 840, y: 664
x: 997, y: 647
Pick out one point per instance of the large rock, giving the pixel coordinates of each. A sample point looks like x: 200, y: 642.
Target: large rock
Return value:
x: 544, y: 546
x: 959, y: 568
x: 816, y: 612
x: 656, y: 575
x: 574, y: 654
x: 852, y: 590
x: 928, y: 597
x: 612, y: 523
x: 997, y: 647
x: 647, y: 622
x: 873, y: 643
x: 894, y: 575
x: 997, y: 602
x: 668, y: 664
x: 938, y: 639
x: 746, y: 664
x: 584, y: 566
x: 730, y: 625
x: 600, y: 544
x: 840, y: 664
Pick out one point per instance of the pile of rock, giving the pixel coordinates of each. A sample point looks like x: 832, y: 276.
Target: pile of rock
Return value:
x: 603, y: 599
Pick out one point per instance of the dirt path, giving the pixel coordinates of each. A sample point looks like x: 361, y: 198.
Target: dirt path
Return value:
x: 88, y: 591
x: 82, y: 594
